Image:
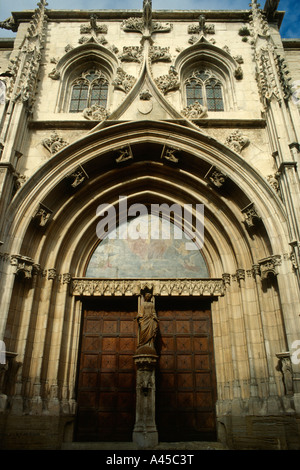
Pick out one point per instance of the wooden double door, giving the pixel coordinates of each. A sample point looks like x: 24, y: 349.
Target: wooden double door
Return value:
x: 185, y: 375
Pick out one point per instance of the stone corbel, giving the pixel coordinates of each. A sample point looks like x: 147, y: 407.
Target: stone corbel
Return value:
x: 268, y: 266
x: 251, y: 215
x: 124, y: 154
x: 78, y: 176
x: 215, y: 177
x: 24, y: 266
x: 42, y: 215
x: 168, y: 153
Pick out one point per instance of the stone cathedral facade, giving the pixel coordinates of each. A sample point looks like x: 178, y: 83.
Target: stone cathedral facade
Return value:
x: 149, y: 108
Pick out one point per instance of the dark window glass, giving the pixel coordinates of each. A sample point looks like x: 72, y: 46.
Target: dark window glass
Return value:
x: 88, y: 91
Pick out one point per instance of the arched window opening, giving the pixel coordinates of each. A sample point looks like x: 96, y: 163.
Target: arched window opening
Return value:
x: 204, y: 87
x: 91, y: 88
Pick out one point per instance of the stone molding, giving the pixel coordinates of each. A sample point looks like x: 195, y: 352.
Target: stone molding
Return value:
x: 160, y: 287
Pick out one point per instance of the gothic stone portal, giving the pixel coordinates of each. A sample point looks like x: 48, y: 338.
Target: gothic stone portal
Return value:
x: 185, y: 377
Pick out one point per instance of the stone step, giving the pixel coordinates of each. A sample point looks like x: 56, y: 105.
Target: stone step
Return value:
x: 194, y: 445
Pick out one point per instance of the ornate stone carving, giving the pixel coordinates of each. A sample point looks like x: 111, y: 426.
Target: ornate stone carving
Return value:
x: 251, y: 215
x: 77, y: 177
x: 42, y: 215
x: 295, y: 87
x: 100, y: 40
x: 195, y: 111
x: 124, y: 154
x: 24, y: 266
x: 9, y: 24
x: 216, y: 177
x: 24, y: 68
x: 268, y: 266
x: 273, y: 181
x: 285, y: 367
x: 145, y: 104
x: 168, y: 153
x: 54, y: 74
x: 54, y: 143
x: 193, y: 287
x: 95, y: 113
x: 93, y: 27
x: 123, y: 81
x: 131, y: 54
x: 19, y: 179
x: 237, y: 141
x: 145, y: 25
x: 66, y: 278
x: 2, y: 92
x: 157, y: 54
x: 51, y: 274
x: 168, y: 82
x: 145, y: 95
x: 201, y: 27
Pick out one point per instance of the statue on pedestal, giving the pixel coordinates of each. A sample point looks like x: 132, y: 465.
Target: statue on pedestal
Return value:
x: 147, y: 323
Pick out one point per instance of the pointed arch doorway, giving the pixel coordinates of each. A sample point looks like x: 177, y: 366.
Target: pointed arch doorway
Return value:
x: 185, y: 375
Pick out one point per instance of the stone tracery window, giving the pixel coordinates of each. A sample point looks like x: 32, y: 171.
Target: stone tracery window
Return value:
x: 203, y: 87
x: 91, y: 88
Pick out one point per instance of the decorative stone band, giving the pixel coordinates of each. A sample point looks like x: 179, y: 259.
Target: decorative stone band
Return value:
x: 160, y: 287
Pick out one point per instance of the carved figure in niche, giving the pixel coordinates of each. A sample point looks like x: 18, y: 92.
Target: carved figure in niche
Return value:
x: 147, y: 323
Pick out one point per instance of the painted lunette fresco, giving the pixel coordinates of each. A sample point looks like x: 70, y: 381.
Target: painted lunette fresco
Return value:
x: 146, y: 257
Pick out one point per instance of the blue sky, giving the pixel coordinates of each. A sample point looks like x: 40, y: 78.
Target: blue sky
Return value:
x: 290, y: 27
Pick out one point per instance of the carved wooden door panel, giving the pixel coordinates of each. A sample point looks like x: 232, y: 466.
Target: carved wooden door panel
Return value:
x: 186, y: 386
x: 106, y: 382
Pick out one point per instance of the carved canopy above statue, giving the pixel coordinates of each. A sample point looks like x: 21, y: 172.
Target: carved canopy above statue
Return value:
x: 146, y: 257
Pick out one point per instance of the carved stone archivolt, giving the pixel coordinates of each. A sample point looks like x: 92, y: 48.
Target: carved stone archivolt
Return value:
x: 160, y: 287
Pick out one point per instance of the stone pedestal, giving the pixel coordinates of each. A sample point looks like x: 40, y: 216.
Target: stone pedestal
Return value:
x: 145, y: 433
